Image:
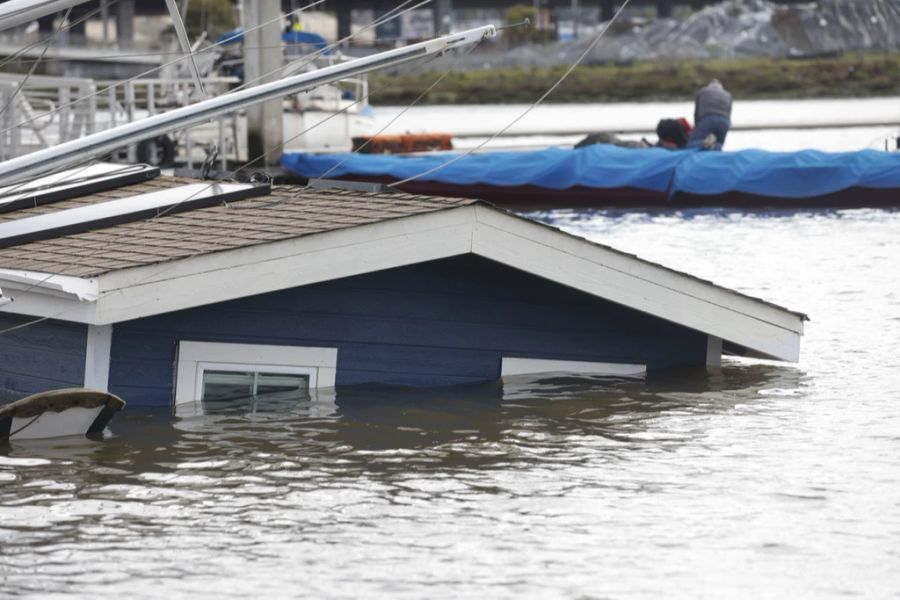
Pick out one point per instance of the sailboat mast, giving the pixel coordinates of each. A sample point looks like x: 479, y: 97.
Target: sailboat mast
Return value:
x: 76, y: 151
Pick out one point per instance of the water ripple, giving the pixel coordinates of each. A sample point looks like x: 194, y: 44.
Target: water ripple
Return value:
x: 759, y: 480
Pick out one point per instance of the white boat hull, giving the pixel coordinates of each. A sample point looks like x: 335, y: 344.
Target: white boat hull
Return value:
x: 58, y: 413
x: 72, y: 421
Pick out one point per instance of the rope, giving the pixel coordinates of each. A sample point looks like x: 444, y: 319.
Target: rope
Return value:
x: 170, y: 208
x: 144, y: 74
x: 23, y: 427
x: 68, y: 27
x: 388, y: 16
x: 35, y: 64
x: 402, y: 112
x: 344, y: 110
x: 140, y: 55
x: 527, y: 110
x: 287, y: 68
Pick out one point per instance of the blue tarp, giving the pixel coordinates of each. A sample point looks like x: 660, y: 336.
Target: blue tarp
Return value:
x: 236, y: 36
x: 801, y: 174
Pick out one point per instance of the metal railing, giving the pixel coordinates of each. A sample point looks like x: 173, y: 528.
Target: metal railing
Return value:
x: 53, y: 110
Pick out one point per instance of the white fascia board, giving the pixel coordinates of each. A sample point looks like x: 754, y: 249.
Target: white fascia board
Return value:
x: 37, y: 294
x: 638, y: 284
x: 482, y: 230
x: 40, y: 305
x: 51, y: 284
x: 221, y: 276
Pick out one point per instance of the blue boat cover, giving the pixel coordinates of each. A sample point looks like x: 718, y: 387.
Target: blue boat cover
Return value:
x: 801, y: 174
x: 236, y: 36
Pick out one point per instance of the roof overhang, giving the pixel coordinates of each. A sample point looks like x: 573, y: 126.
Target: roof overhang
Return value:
x: 762, y: 328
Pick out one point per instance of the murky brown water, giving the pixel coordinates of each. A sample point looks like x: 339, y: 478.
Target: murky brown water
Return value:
x: 764, y: 480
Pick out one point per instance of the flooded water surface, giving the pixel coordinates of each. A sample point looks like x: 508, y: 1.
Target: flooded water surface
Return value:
x: 764, y: 480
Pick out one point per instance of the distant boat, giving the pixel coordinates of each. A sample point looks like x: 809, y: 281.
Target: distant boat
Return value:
x: 58, y: 413
x: 603, y: 175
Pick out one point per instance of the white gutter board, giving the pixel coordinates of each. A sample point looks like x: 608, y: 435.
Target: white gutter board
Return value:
x: 63, y: 286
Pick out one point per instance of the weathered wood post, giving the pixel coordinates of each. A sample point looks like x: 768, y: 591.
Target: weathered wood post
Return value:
x: 263, y: 60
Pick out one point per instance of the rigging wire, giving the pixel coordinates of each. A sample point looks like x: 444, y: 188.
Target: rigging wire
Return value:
x: 187, y: 49
x: 15, y: 55
x: 404, y: 110
x: 90, y: 159
x: 344, y: 110
x: 285, y: 68
x: 35, y: 64
x: 139, y: 55
x: 292, y: 66
x: 306, y: 60
x: 145, y: 73
x: 169, y: 209
x: 310, y: 58
x: 67, y: 181
x: 388, y: 16
x: 534, y: 105
x: 232, y: 207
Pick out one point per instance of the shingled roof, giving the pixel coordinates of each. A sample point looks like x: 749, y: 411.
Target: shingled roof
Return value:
x: 285, y: 213
x: 297, y: 236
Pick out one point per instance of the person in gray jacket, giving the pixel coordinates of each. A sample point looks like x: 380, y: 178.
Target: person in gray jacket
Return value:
x: 712, y: 117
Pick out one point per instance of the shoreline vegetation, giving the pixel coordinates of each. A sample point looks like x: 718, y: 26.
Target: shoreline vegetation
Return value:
x: 845, y: 76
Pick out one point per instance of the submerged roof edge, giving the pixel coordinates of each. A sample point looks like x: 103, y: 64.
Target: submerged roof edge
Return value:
x: 480, y: 229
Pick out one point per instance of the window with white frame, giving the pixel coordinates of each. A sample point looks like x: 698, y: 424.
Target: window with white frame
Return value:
x: 523, y: 367
x: 213, y: 374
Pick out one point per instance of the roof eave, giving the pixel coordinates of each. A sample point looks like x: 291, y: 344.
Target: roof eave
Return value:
x: 480, y: 229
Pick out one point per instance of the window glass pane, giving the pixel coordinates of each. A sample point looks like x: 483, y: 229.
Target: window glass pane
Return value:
x: 224, y: 390
x: 268, y: 383
x: 225, y: 385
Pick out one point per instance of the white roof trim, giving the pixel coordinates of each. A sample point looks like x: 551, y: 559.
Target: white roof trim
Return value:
x: 39, y: 294
x: 488, y: 232
x: 62, y: 286
x: 644, y: 286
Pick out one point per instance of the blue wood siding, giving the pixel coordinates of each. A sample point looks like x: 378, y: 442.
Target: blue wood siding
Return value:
x: 438, y: 323
x: 43, y: 356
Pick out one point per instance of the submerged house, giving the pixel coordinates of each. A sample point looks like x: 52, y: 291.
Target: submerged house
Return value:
x: 164, y: 289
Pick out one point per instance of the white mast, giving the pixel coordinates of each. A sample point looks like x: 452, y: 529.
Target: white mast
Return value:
x: 80, y: 150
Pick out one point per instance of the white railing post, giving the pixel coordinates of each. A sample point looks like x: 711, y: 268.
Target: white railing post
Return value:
x: 15, y: 132
x: 113, y: 104
x: 65, y: 113
x: 151, y: 98
x: 92, y: 111
x: 129, y: 118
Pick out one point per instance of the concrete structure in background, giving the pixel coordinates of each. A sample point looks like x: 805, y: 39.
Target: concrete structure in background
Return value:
x: 263, y: 58
x: 442, y: 10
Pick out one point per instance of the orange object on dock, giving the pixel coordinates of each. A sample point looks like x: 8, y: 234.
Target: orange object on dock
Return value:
x: 402, y: 143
